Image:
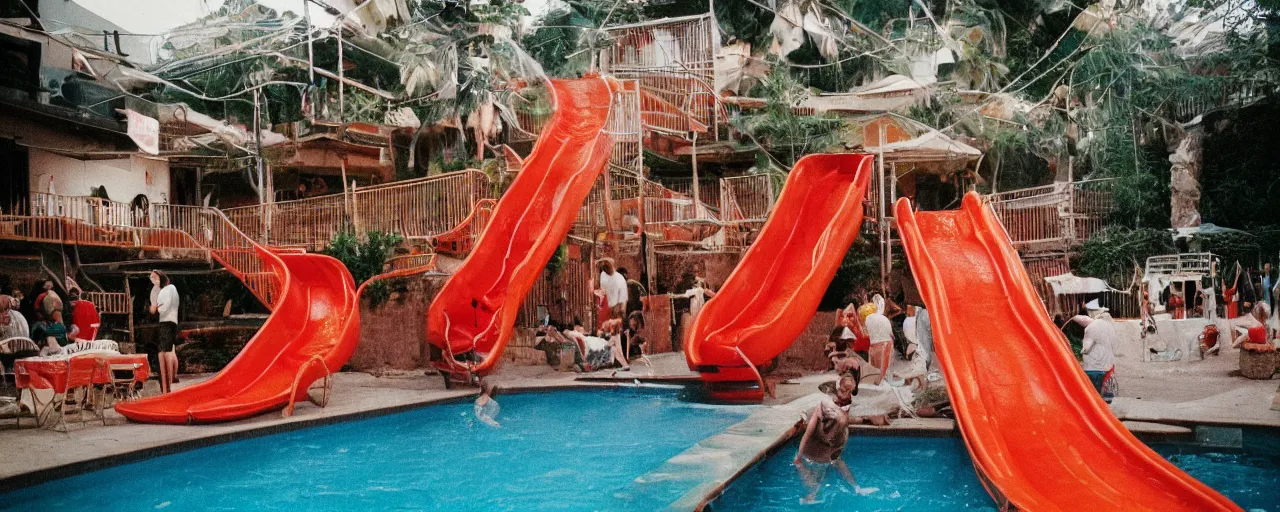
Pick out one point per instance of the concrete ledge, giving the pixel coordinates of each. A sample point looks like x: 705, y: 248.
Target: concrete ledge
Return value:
x: 910, y: 427
x: 705, y: 469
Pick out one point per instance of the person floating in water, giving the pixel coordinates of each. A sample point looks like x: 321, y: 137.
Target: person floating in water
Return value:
x: 487, y: 408
x: 821, y: 446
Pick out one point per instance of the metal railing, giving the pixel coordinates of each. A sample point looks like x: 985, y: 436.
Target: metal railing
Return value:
x: 1065, y: 213
x: 109, y: 303
x: 191, y: 231
x: 747, y: 198
x: 415, y: 209
x: 1179, y: 264
x: 674, y: 61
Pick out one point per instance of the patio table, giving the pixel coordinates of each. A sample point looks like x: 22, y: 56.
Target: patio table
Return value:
x: 63, y: 373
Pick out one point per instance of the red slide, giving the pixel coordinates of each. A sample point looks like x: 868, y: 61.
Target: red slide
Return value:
x: 770, y: 297
x: 471, y: 318
x: 313, y: 330
x: 1040, y: 436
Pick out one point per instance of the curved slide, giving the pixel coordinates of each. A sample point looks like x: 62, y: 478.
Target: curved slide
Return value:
x: 774, y: 291
x: 1041, y: 437
x: 472, y: 317
x: 313, y: 330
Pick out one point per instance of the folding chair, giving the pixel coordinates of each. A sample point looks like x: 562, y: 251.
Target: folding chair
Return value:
x: 123, y: 384
x: 80, y: 372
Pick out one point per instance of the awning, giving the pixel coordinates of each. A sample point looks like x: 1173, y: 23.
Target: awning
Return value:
x: 1070, y: 284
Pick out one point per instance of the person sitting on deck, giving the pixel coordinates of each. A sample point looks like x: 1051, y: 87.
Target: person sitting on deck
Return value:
x: 12, y: 323
x: 633, y: 337
x: 50, y: 333
x: 821, y: 446
x: 593, y: 351
x: 1256, y: 336
x: 612, y: 331
x: 843, y: 360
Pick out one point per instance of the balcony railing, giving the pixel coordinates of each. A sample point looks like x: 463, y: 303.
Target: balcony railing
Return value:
x: 415, y: 209
x: 189, y: 231
x: 1061, y: 214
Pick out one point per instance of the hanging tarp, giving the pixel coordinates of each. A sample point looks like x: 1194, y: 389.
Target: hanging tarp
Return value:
x: 1070, y: 284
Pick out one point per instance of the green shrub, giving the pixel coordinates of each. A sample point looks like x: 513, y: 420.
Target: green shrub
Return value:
x: 365, y: 258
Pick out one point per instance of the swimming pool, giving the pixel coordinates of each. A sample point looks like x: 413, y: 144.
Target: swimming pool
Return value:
x: 935, y: 474
x: 563, y: 450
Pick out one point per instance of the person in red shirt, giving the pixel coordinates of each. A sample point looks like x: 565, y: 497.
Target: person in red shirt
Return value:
x: 82, y: 314
x: 1177, y: 307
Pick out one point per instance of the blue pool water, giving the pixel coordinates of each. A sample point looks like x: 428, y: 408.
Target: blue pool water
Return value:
x: 928, y: 474
x: 567, y: 450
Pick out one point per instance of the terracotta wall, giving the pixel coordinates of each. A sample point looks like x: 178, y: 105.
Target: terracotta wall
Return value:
x: 394, y: 334
x: 714, y: 266
x: 805, y: 355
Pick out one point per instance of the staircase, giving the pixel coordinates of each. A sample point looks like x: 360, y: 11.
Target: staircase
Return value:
x: 173, y: 231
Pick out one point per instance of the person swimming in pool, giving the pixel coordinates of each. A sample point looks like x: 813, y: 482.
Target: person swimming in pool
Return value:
x: 487, y: 408
x: 821, y: 446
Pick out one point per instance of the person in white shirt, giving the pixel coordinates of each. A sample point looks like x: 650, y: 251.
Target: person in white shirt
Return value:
x: 164, y: 304
x: 1098, y: 350
x: 880, y: 332
x: 613, y: 286
x: 12, y: 323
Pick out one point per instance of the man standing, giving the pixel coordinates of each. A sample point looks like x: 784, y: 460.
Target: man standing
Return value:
x: 924, y: 333
x: 1098, y: 349
x: 880, y: 330
x: 1266, y: 285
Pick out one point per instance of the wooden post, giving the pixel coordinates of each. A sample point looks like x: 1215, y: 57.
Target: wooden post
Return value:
x: 697, y: 196
x: 880, y: 214
x: 342, y: 77
x: 129, y: 297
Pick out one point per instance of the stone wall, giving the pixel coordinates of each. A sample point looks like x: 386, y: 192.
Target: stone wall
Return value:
x: 714, y: 266
x: 393, y: 335
x: 805, y: 354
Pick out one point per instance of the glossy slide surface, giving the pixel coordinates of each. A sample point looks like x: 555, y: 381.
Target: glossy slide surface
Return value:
x: 1040, y: 436
x: 316, y: 320
x: 774, y: 291
x: 475, y: 312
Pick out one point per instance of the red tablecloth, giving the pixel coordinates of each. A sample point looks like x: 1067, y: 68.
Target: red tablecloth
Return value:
x: 76, y: 371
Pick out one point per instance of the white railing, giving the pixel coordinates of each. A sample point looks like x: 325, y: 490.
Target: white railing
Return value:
x: 1179, y: 264
x: 747, y: 198
x: 1063, y: 213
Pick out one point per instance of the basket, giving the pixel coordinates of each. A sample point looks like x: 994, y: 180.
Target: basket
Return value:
x: 1258, y: 365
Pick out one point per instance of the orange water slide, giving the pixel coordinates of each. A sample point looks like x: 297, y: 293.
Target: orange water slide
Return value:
x: 312, y: 332
x: 1040, y: 436
x: 774, y: 291
x: 472, y: 317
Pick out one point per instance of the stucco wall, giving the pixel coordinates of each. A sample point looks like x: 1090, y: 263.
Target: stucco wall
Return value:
x: 394, y: 334
x: 124, y: 178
